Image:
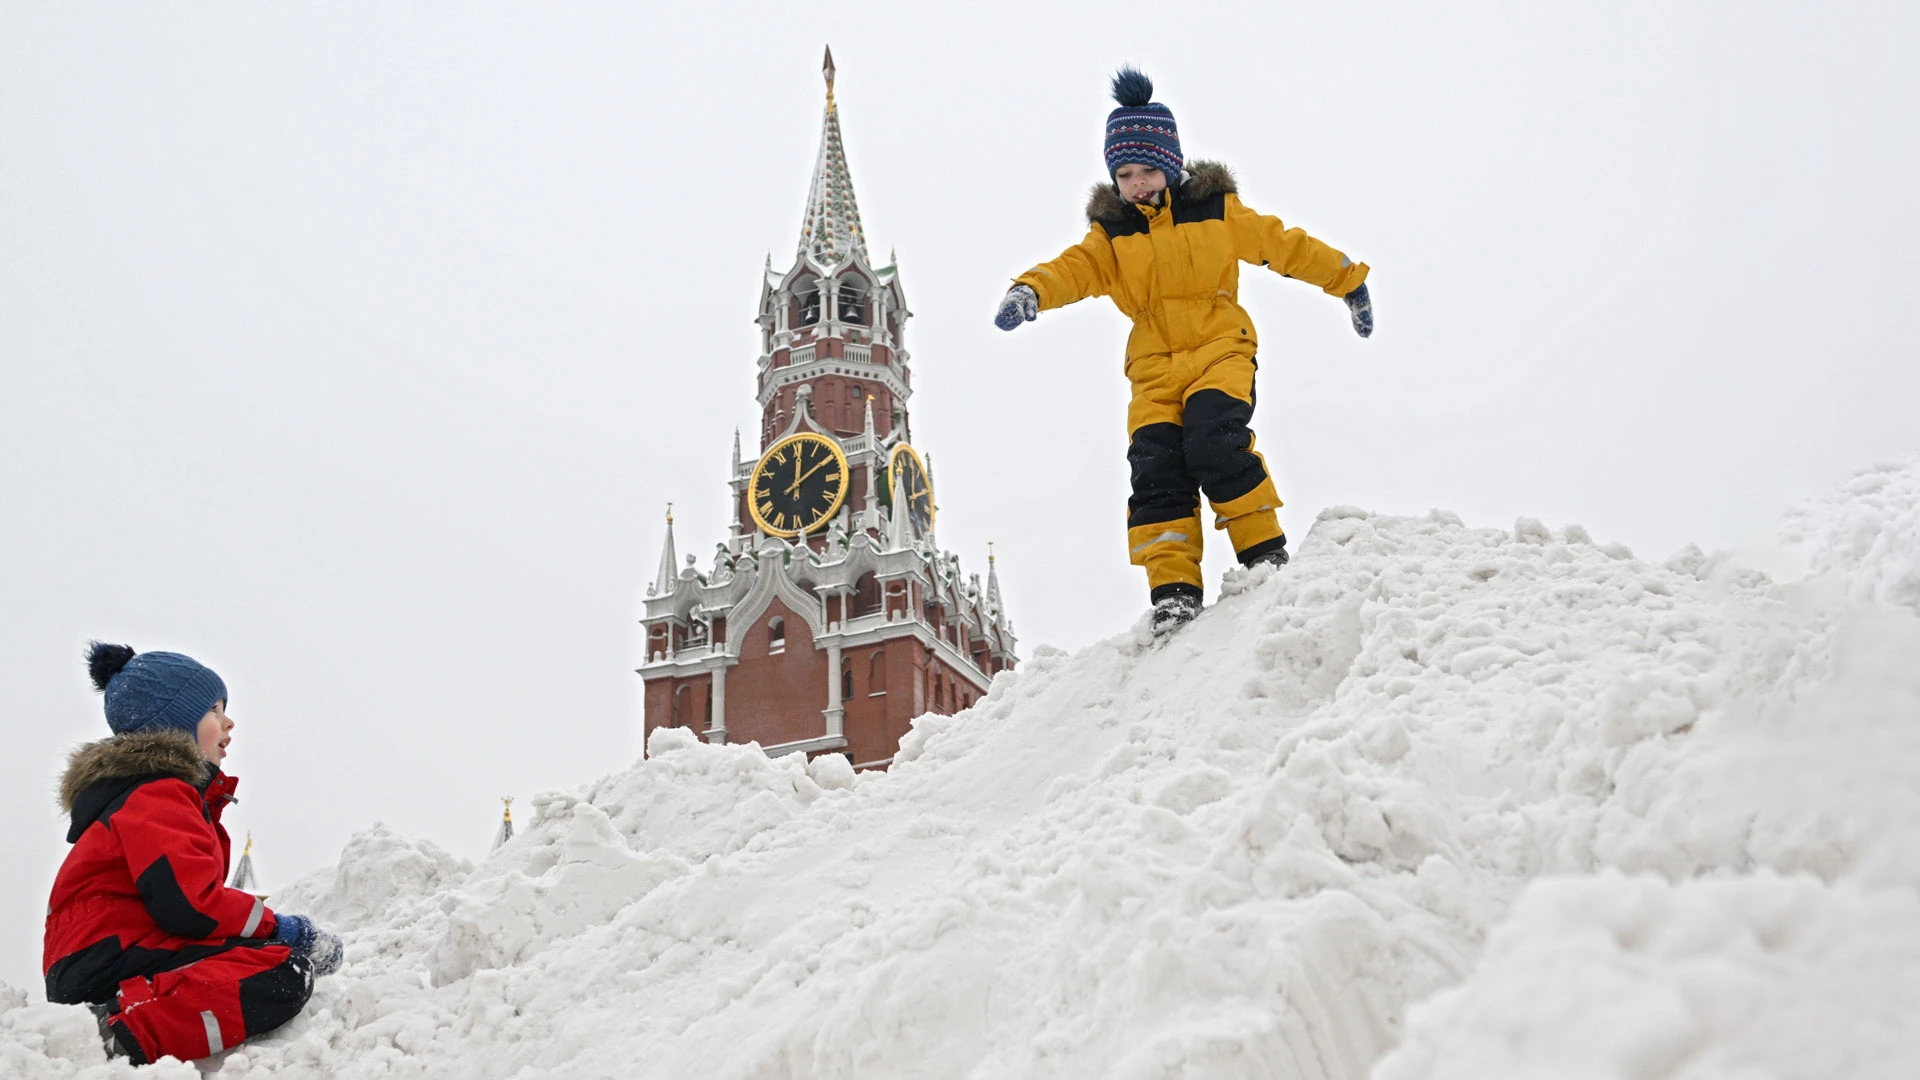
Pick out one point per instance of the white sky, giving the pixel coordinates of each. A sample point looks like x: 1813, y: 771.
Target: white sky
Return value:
x: 356, y: 349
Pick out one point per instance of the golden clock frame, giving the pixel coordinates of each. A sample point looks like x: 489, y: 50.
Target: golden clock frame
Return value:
x: 933, y: 509
x: 840, y: 462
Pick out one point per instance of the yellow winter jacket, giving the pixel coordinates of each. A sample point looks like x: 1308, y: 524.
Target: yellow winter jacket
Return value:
x: 1175, y: 270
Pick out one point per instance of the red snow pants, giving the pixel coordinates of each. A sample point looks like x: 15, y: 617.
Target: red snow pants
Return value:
x: 210, y: 1005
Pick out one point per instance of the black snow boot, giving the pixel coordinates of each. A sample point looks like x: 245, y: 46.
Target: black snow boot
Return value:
x: 1174, y: 606
x: 1270, y: 553
x: 111, y: 1039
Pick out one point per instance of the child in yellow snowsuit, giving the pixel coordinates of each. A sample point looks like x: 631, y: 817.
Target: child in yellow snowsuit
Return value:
x: 1166, y: 240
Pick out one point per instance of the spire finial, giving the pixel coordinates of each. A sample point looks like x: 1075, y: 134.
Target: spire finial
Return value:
x: 827, y: 69
x: 669, y: 513
x: 506, y: 822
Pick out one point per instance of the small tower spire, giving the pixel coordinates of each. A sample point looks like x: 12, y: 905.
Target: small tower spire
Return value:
x: 900, y: 529
x: 669, y: 561
x: 993, y: 583
x: 505, y: 832
x: 243, y: 877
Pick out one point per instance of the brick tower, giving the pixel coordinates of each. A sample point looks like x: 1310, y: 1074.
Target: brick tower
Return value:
x: 830, y: 617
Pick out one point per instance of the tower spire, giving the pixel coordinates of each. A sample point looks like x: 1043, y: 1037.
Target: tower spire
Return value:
x: 832, y: 231
x: 505, y: 832
x: 993, y: 583
x: 243, y: 877
x: 900, y: 531
x: 669, y: 561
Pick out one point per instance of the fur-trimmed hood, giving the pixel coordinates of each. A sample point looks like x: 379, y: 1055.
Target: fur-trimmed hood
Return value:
x: 1205, y: 179
x: 138, y: 755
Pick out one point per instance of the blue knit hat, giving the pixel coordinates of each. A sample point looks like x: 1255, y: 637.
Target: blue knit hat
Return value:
x: 153, y: 691
x: 1141, y: 131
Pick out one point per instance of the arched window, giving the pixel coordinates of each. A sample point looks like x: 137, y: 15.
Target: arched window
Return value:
x: 853, y: 301
x: 877, y: 673
x: 846, y: 679
x: 682, y: 706
x: 806, y: 301
x: 776, y: 634
x: 866, y: 595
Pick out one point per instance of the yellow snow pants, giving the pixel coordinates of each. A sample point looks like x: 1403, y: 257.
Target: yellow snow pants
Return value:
x: 1188, y: 433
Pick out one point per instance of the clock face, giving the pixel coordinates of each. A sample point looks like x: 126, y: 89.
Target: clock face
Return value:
x: 906, y: 468
x: 798, y: 486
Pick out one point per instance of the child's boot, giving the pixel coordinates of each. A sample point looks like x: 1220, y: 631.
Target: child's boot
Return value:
x: 1173, y: 610
x: 1271, y: 553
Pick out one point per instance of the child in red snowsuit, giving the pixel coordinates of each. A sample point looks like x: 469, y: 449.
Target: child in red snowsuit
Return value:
x: 141, y: 926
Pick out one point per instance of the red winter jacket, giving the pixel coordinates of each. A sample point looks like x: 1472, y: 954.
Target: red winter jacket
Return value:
x: 143, y: 889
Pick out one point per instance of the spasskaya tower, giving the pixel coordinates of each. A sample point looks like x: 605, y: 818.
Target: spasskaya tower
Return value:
x: 830, y: 617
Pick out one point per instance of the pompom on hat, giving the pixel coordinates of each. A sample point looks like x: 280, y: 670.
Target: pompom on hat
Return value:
x: 153, y: 691
x: 1141, y: 131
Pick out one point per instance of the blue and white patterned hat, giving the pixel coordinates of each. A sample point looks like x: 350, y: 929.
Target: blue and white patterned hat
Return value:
x: 1141, y: 131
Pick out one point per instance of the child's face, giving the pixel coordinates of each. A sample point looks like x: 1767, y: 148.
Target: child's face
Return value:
x: 1139, y: 183
x: 216, y: 731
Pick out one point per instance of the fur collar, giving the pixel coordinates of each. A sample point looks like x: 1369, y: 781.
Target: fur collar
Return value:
x: 136, y: 755
x: 1205, y: 179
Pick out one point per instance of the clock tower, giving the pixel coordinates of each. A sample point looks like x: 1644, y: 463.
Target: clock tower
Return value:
x: 830, y: 616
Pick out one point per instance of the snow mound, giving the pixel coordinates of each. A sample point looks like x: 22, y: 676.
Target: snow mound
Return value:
x: 1615, y: 976
x: 1867, y: 534
x: 1435, y: 799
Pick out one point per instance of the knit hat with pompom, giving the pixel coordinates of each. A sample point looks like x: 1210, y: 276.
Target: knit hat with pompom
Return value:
x: 153, y: 691
x: 1141, y: 131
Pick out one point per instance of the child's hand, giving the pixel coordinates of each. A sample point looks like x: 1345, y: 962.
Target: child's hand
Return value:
x: 1021, y: 305
x: 322, y: 949
x: 1360, y: 306
x: 326, y: 953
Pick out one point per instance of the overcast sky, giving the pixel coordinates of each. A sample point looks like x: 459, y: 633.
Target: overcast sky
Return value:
x: 357, y: 349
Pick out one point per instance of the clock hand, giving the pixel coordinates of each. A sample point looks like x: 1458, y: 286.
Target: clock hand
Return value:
x: 795, y: 488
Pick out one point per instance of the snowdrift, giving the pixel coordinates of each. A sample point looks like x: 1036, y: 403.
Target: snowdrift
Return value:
x: 1433, y: 801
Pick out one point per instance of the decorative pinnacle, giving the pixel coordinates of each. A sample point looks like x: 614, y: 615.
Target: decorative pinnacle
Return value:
x: 827, y: 69
x: 506, y: 813
x: 249, y: 847
x: 669, y: 513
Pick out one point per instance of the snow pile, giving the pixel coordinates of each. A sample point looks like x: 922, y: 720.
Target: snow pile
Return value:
x: 1432, y: 801
x: 1867, y: 534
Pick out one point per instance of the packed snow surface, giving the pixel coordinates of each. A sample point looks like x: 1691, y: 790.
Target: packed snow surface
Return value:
x: 1433, y: 801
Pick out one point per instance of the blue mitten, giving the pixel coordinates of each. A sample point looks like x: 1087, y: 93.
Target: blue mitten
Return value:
x: 1360, y: 306
x: 321, y: 949
x: 1021, y: 305
x: 293, y: 931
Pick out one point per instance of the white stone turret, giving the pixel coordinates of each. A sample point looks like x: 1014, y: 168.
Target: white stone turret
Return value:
x: 900, y: 530
x: 669, y: 563
x: 994, y: 607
